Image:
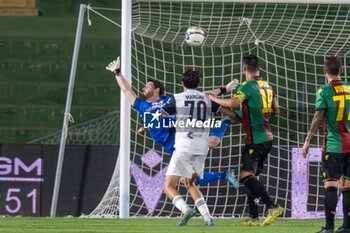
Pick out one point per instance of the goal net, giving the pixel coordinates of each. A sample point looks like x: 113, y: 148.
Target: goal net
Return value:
x: 99, y: 131
x: 291, y: 41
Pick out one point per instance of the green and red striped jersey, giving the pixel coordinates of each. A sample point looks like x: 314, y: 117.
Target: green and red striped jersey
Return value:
x: 256, y: 97
x: 334, y: 98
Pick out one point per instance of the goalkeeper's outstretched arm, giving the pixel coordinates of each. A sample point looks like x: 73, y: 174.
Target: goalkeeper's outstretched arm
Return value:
x: 126, y: 88
x: 114, y: 67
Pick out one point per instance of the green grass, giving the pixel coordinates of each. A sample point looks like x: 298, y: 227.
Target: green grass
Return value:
x: 150, y: 225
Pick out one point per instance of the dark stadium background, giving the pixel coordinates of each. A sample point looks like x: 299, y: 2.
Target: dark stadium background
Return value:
x: 35, y: 60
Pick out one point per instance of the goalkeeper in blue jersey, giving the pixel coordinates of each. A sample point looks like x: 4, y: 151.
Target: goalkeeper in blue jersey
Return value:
x: 164, y: 136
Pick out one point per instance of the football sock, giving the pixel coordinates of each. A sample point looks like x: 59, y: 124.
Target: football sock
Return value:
x: 346, y: 208
x: 180, y: 203
x: 330, y: 204
x: 253, y: 207
x: 225, y: 123
x: 219, y: 131
x: 209, y: 177
x: 258, y: 190
x: 203, y: 208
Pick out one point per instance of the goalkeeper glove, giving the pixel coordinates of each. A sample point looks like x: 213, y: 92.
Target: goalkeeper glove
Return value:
x: 114, y: 66
x: 231, y: 86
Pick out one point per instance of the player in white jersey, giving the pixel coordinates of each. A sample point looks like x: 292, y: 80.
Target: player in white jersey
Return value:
x: 192, y: 107
x: 193, y: 111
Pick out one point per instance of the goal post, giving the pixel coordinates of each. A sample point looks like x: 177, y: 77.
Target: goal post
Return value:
x: 124, y: 149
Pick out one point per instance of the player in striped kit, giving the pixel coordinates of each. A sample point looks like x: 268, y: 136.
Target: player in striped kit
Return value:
x: 333, y: 109
x: 258, y: 101
x: 193, y: 111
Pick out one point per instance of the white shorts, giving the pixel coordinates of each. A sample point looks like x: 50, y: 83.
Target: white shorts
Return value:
x: 184, y: 164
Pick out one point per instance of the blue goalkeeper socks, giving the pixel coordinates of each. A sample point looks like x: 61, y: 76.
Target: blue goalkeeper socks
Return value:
x: 225, y: 123
x: 209, y: 177
x: 220, y: 131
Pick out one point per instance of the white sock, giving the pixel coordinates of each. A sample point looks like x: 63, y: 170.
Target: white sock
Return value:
x: 203, y: 208
x: 180, y: 203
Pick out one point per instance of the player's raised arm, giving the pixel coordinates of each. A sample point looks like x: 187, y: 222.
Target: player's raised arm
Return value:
x: 114, y: 67
x: 229, y: 103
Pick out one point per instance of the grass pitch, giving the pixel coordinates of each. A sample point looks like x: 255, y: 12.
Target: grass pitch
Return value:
x: 150, y: 225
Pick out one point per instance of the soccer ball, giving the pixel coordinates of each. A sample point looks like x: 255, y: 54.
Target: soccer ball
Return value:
x: 195, y: 36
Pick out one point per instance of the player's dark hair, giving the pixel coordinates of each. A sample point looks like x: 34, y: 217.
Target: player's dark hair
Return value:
x: 333, y: 65
x: 191, y: 79
x: 251, y: 63
x: 157, y: 84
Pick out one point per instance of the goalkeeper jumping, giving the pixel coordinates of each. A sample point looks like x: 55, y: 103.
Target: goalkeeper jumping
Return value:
x: 165, y: 137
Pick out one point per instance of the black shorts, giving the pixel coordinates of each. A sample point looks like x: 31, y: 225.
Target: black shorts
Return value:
x: 335, y: 165
x: 254, y: 156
